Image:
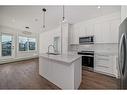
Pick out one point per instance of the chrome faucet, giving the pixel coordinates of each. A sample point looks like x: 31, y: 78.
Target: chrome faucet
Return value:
x: 51, y: 46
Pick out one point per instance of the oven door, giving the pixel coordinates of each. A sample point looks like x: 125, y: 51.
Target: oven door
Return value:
x: 87, y: 61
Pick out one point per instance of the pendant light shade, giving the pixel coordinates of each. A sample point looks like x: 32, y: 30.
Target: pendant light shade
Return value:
x: 63, y: 17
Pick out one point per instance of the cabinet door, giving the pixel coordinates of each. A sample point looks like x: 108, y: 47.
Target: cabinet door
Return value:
x: 105, y: 29
x: 70, y: 34
x: 114, y: 30
x: 97, y: 33
x: 89, y: 29
x: 104, y: 65
x: 75, y: 35
x: 82, y: 30
x: 123, y: 13
x: 102, y: 32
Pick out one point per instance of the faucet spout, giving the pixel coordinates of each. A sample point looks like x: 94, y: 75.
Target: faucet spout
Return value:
x: 51, y: 46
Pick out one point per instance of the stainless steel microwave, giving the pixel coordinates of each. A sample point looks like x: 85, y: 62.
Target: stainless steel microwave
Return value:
x: 86, y: 40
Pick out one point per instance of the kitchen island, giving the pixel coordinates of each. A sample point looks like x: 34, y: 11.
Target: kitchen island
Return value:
x: 65, y: 70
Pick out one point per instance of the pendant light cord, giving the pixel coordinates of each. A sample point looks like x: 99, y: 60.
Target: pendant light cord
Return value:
x: 44, y: 10
x: 44, y: 20
x: 63, y: 14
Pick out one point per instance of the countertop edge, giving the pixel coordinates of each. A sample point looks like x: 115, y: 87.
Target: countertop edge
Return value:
x: 77, y: 57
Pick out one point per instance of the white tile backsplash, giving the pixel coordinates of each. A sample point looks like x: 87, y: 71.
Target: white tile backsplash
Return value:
x: 107, y: 47
x: 99, y: 47
x: 86, y: 47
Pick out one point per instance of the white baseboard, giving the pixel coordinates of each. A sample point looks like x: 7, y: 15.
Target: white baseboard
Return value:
x: 17, y: 59
x: 112, y: 75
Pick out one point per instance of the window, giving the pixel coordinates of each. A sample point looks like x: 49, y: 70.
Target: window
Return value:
x: 32, y: 43
x: 26, y: 44
x: 6, y: 45
x: 23, y: 43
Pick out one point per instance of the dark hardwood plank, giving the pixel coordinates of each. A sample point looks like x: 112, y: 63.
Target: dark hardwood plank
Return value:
x: 92, y: 80
x: 24, y: 75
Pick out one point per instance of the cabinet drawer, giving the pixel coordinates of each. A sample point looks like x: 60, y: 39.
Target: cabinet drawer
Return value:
x: 104, y: 69
x: 101, y: 55
x: 105, y: 57
x: 103, y: 63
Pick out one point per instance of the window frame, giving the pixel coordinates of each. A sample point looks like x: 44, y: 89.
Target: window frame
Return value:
x: 27, y: 44
x: 18, y: 44
x: 12, y: 52
x: 35, y: 43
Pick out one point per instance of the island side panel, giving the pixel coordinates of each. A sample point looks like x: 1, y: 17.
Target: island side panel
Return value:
x: 45, y: 68
x: 59, y: 73
x: 77, y: 73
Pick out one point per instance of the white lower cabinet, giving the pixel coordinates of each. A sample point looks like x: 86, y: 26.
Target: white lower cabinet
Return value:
x: 105, y: 64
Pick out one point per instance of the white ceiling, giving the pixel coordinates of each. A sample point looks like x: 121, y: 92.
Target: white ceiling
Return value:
x: 21, y: 16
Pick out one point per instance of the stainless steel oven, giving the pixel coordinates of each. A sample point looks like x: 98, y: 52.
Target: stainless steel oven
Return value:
x: 87, y: 58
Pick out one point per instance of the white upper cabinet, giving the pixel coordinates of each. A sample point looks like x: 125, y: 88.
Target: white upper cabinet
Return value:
x: 114, y: 30
x: 123, y: 12
x: 80, y: 30
x: 97, y: 33
x: 74, y: 34
x: 107, y: 32
x: 89, y: 28
x: 105, y: 29
x: 85, y: 29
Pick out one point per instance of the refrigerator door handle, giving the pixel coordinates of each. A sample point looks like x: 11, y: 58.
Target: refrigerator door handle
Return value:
x: 120, y: 54
x: 124, y: 62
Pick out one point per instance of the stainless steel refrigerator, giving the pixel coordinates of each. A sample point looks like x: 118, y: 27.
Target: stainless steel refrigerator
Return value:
x: 122, y: 58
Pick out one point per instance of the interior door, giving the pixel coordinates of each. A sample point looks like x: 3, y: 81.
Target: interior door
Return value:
x: 7, y: 46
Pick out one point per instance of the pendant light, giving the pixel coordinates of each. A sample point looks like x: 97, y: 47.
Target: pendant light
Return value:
x: 63, y: 21
x: 44, y: 10
x: 63, y: 15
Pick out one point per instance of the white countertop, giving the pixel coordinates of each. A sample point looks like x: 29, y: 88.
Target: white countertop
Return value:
x: 67, y: 58
x: 110, y: 53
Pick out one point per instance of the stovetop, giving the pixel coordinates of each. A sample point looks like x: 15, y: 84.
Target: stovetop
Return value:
x: 86, y: 52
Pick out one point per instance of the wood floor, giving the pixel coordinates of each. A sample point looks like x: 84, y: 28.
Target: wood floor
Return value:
x: 92, y: 80
x: 24, y: 75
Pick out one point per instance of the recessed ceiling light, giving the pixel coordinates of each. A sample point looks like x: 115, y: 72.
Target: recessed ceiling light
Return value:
x: 99, y: 7
x: 27, y: 27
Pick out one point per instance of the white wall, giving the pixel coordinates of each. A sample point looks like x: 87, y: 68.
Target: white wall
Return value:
x: 47, y: 38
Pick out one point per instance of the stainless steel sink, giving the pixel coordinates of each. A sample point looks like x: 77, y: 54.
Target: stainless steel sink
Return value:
x: 53, y: 53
